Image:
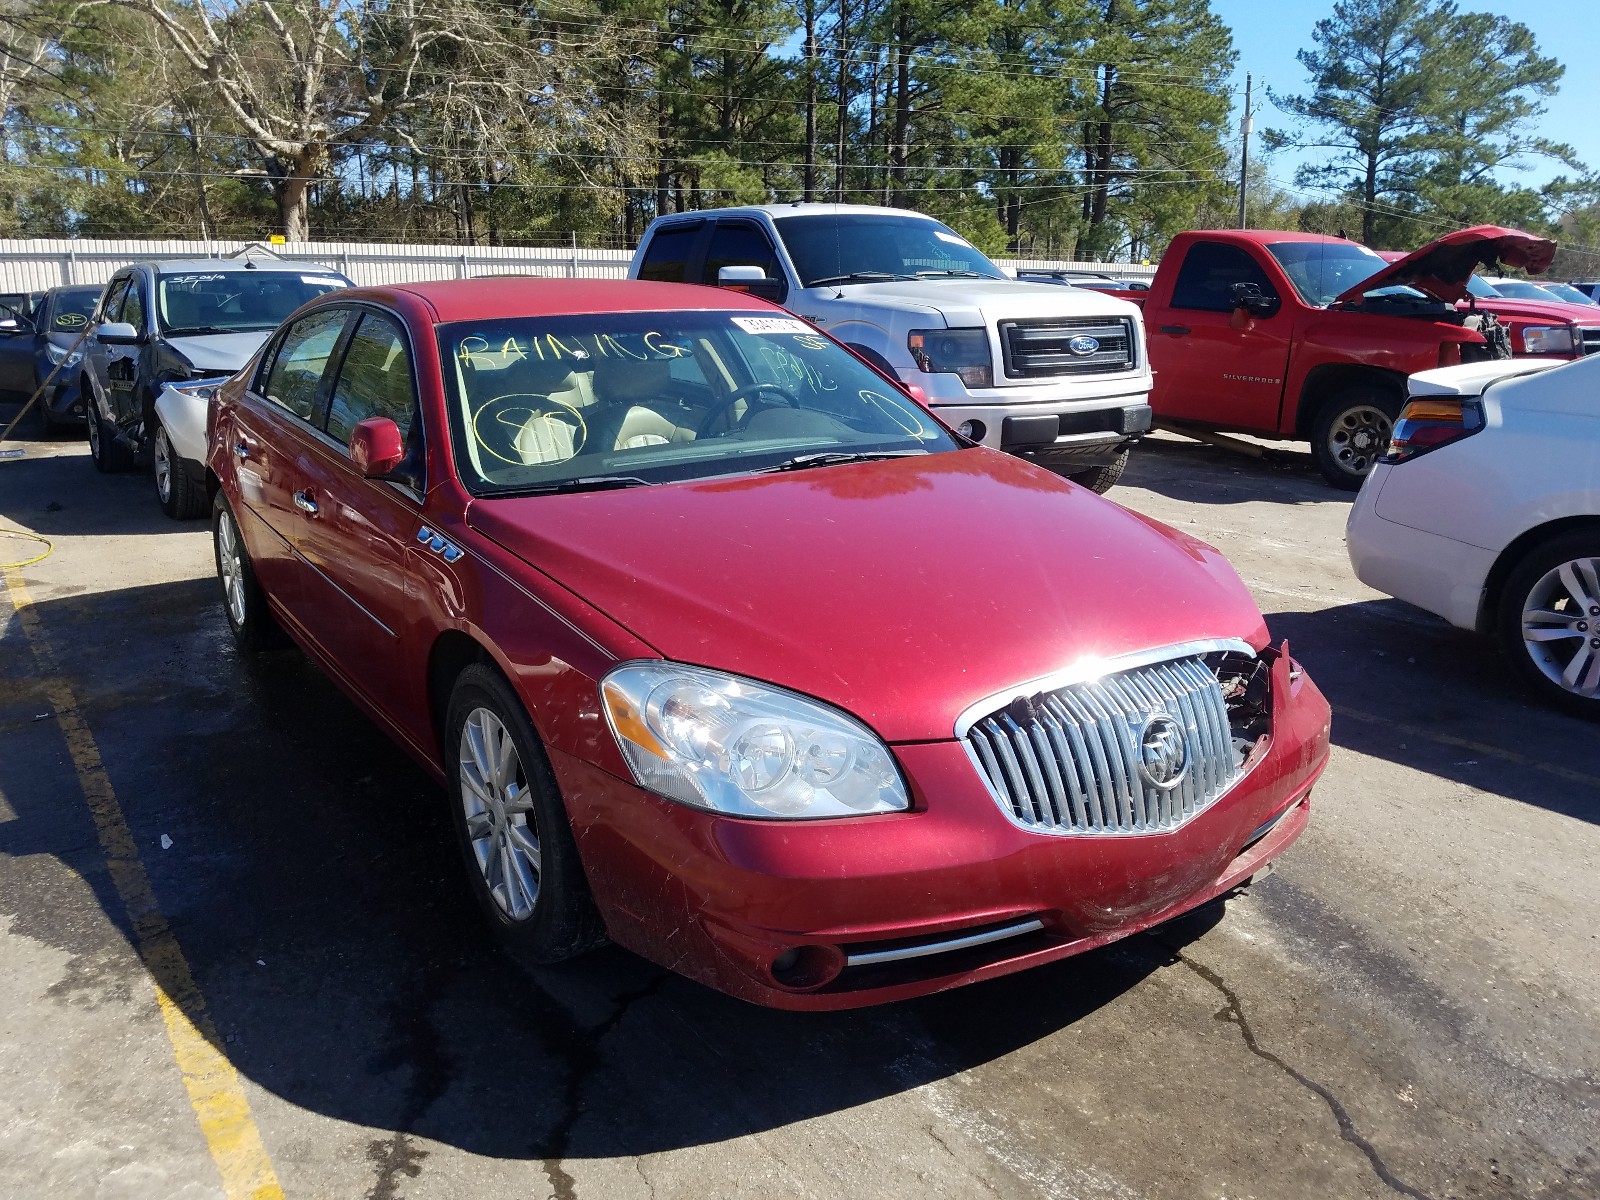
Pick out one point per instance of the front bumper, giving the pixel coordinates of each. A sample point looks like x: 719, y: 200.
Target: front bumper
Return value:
x: 770, y: 911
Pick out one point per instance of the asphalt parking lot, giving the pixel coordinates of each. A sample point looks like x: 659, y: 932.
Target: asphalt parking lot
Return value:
x: 235, y: 954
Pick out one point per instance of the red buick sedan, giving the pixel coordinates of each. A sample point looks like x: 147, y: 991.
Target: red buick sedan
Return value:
x: 727, y: 651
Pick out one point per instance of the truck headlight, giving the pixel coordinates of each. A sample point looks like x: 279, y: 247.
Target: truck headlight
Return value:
x: 1547, y: 339
x: 960, y: 352
x: 731, y: 745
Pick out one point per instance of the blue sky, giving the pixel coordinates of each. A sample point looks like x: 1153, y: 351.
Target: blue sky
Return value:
x: 1268, y: 35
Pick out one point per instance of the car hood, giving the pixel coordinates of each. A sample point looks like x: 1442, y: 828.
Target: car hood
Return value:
x: 219, y: 353
x: 903, y: 591
x: 1540, y: 310
x: 1442, y: 267
x: 980, y: 301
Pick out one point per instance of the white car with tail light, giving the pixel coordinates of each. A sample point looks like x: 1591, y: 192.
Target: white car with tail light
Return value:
x: 179, y: 451
x: 1486, y: 511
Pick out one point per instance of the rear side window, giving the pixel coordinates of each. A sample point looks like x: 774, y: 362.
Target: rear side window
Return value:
x: 301, y: 360
x: 740, y: 246
x: 374, y: 379
x: 1210, y: 270
x: 666, y: 258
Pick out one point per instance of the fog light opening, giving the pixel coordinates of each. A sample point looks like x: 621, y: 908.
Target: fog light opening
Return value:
x: 805, y: 967
x: 971, y: 429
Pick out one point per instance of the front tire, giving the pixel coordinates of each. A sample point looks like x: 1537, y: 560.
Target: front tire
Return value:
x: 175, y: 489
x: 1349, y: 433
x: 1549, y: 621
x: 109, y: 454
x: 511, y: 825
x: 1101, y: 480
x: 243, y: 601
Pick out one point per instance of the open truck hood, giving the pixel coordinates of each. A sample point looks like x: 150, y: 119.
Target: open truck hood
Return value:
x: 1442, y: 267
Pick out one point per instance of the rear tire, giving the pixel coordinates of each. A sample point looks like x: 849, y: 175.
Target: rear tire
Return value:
x: 511, y: 826
x: 1350, y: 431
x: 1548, y: 624
x: 175, y: 489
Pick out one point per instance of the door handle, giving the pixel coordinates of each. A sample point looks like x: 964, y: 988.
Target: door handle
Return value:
x: 240, y: 450
x: 306, y: 504
x: 1175, y: 330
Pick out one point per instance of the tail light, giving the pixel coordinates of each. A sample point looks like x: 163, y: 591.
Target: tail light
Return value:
x: 1430, y: 423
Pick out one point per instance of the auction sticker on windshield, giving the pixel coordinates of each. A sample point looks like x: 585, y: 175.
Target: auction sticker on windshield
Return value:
x: 772, y: 325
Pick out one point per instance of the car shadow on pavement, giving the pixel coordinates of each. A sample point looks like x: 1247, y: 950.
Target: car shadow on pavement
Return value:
x: 1197, y: 473
x: 54, y: 489
x: 1409, y: 688
x: 306, y: 868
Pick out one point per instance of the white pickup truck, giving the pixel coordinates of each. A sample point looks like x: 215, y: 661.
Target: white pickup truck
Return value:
x: 1053, y: 373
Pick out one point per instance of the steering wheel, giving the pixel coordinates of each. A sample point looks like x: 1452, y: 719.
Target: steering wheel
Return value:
x: 738, y: 394
x: 498, y: 421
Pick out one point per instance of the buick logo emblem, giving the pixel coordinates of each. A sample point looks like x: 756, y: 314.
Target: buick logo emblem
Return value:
x: 1163, y: 752
x: 1083, y: 344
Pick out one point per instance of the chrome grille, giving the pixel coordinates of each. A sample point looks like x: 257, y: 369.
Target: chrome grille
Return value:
x: 1068, y: 760
x: 1032, y: 349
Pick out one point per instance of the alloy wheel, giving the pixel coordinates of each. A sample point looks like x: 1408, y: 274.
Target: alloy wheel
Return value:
x: 498, y: 805
x: 1358, y: 436
x: 230, y: 562
x: 163, y: 466
x: 1561, y: 626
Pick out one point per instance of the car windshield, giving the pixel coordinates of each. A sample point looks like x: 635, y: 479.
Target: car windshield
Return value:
x: 235, y: 301
x: 70, y: 311
x: 877, y: 247
x: 1518, y: 289
x: 617, y: 399
x: 1323, y: 271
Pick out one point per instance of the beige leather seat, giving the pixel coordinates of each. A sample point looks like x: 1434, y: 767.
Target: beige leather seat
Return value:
x: 632, y: 398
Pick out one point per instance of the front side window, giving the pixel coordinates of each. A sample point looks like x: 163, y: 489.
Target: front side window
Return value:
x: 1209, y: 271
x: 628, y: 398
x: 374, y: 379
x: 234, y: 301
x: 666, y: 259
x: 132, y: 310
x: 874, y: 247
x: 302, y: 358
x: 740, y: 245
x: 1323, y: 271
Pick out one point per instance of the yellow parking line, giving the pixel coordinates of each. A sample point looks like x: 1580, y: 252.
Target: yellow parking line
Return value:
x: 1445, y: 739
x: 213, y: 1084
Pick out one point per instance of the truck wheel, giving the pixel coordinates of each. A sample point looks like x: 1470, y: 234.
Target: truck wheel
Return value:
x: 1102, y: 479
x: 1548, y: 624
x: 1350, y: 431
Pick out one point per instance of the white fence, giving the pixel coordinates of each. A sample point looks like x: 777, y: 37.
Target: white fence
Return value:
x: 32, y: 264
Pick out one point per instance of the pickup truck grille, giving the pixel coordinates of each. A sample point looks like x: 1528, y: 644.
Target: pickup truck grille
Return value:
x: 1075, y: 760
x: 1040, y: 348
x: 1588, y: 339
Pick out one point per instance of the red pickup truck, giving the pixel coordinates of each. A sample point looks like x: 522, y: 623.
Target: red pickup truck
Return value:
x: 1304, y: 336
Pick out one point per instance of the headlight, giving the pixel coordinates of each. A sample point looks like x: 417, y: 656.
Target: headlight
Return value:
x: 1547, y: 339
x: 58, y: 354
x: 201, y: 390
x: 961, y: 352
x: 731, y: 745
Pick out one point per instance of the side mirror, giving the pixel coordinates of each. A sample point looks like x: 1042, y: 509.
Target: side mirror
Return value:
x: 751, y: 280
x: 916, y: 393
x: 14, y: 327
x: 118, y: 333
x: 1248, y: 297
x: 375, y: 447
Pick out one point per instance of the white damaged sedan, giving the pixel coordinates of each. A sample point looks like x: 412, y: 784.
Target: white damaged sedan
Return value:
x: 1486, y: 511
x: 179, y: 450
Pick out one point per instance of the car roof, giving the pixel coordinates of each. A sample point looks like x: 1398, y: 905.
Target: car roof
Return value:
x: 801, y: 208
x: 194, y: 266
x: 490, y: 299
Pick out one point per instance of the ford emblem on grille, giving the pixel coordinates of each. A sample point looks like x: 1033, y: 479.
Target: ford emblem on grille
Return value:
x: 1163, y: 752
x: 1083, y: 344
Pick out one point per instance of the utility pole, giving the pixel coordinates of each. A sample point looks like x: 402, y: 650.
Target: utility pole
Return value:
x: 1247, y: 124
